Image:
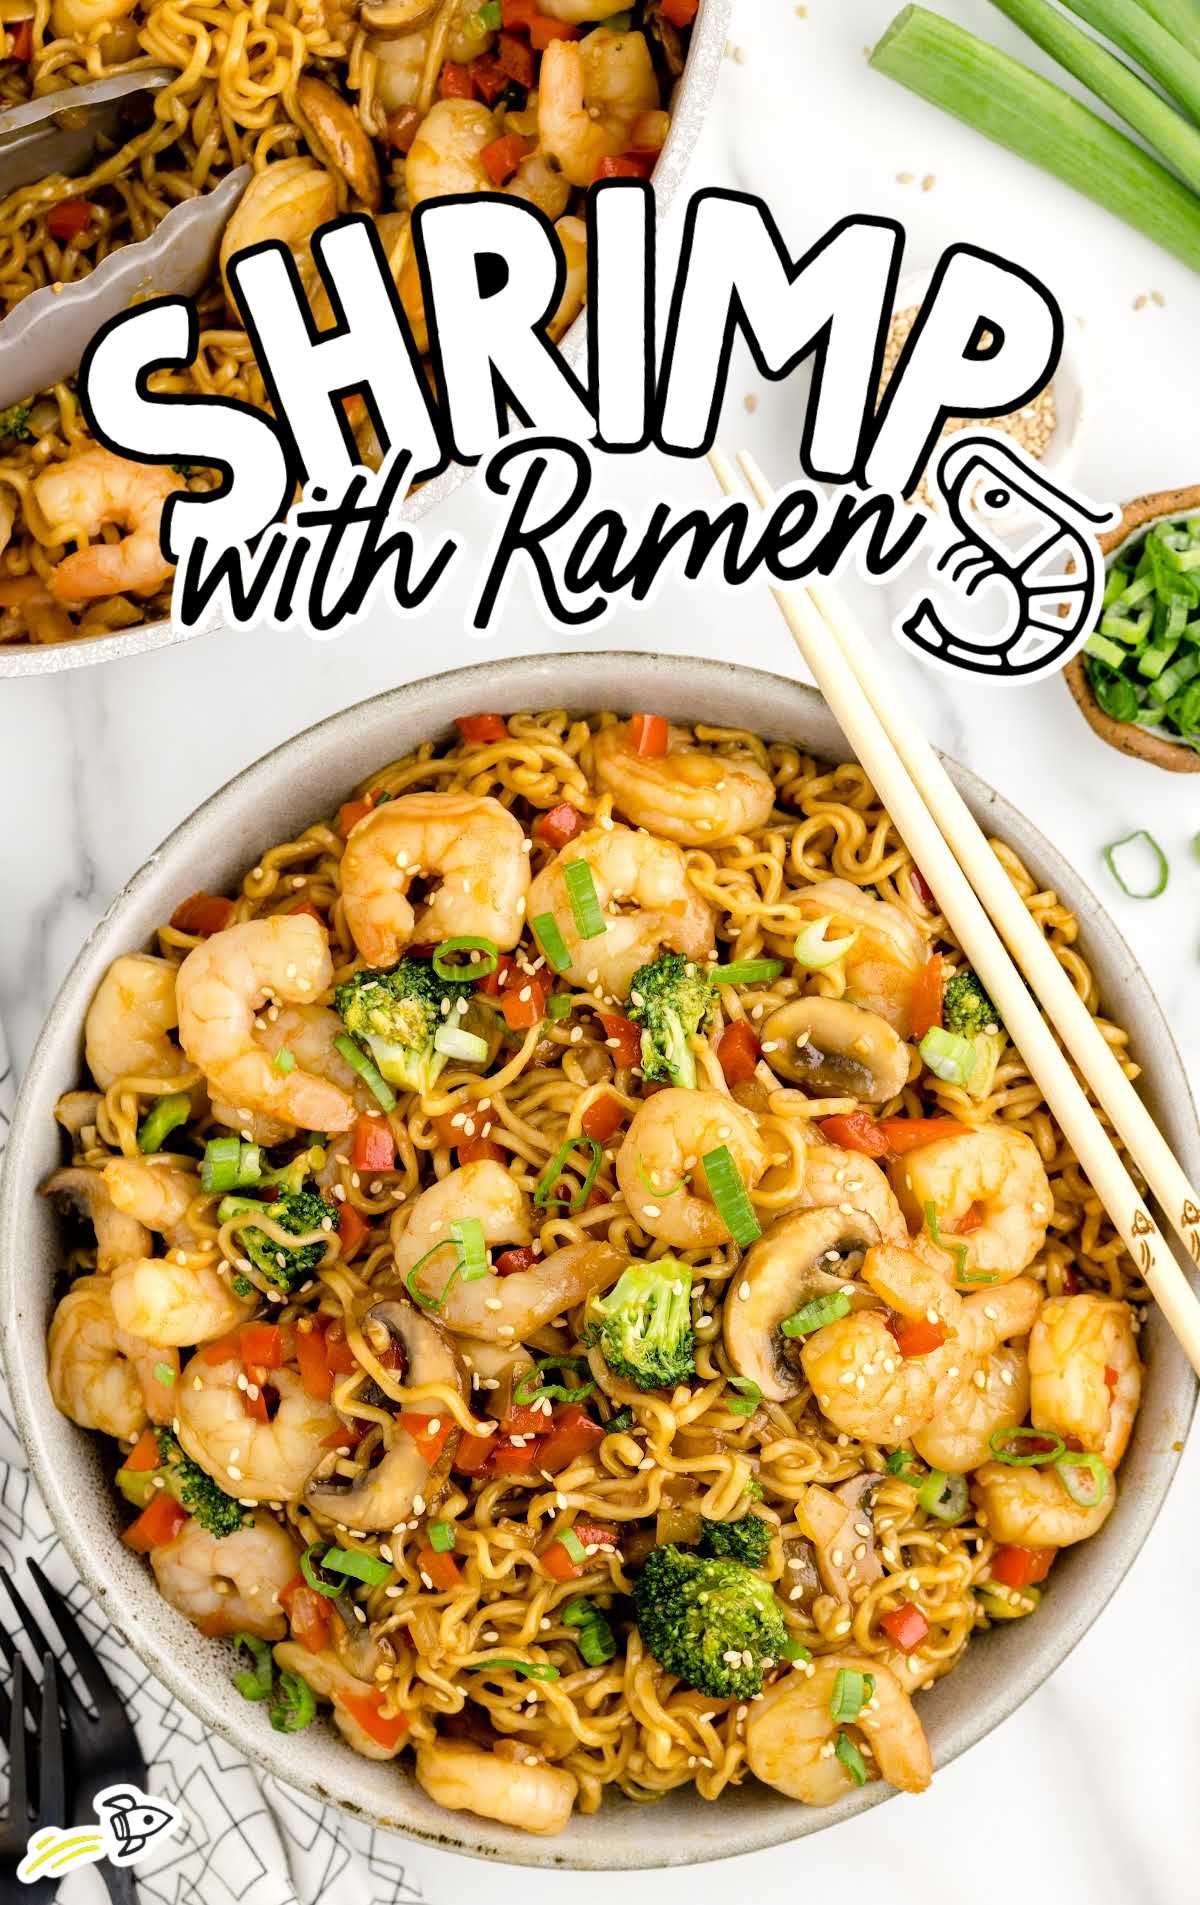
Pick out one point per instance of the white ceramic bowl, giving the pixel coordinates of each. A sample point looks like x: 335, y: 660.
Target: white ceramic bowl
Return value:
x: 689, y: 106
x: 308, y: 777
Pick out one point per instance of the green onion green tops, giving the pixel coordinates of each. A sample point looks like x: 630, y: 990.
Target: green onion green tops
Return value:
x: 164, y: 1116
x: 545, y: 1193
x: 729, y: 1194
x: 815, y: 1315
x: 1155, y: 867
x: 370, y: 1074
x: 746, y: 972
x: 548, y: 933
x: 585, y: 904
x: 483, y: 957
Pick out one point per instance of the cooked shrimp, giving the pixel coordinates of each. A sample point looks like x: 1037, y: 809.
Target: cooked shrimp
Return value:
x: 252, y: 1460
x: 996, y: 1175
x: 589, y: 94
x: 466, y: 1778
x: 327, y: 1677
x: 690, y: 794
x: 646, y: 898
x: 444, y: 157
x: 309, y: 1033
x: 221, y: 987
x: 660, y: 1165
x: 92, y: 488
x: 99, y: 1376
x: 1086, y: 1379
x: 119, y: 1236
x: 470, y: 845
x: 996, y: 1396
x: 791, y: 1735
x: 158, y: 1195
x: 571, y: 233
x: 887, y: 952
x: 835, y: 1179
x: 229, y: 1584
x: 127, y: 1030
x: 177, y: 1304
x: 1029, y: 1507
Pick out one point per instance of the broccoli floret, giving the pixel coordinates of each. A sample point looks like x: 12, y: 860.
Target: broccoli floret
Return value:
x: 299, y: 1212
x: 967, y: 1010
x: 197, y: 1492
x: 396, y: 1015
x: 671, y: 999
x: 14, y: 422
x: 711, y: 1621
x: 747, y: 1540
x: 644, y: 1324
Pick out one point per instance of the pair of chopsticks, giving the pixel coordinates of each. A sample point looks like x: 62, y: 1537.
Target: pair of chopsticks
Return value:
x: 998, y: 936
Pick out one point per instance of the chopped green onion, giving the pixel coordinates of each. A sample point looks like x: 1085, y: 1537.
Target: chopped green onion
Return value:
x: 815, y: 1315
x: 851, y: 1759
x: 619, y: 1423
x: 747, y: 1401
x: 813, y: 950
x: 581, y: 891
x: 944, y: 1496
x: 1072, y: 1468
x: 294, y: 1706
x: 1151, y: 889
x: 543, y: 1195
x: 419, y: 1296
x: 851, y: 1692
x: 529, y: 1669
x: 1006, y: 1445
x: 164, y: 1116
x: 596, y: 1642
x: 900, y: 1462
x: 949, y: 1055
x: 228, y: 1164
x: 355, y: 1566
x: 467, y: 1233
x: 957, y: 1251
x: 578, y: 1612
x: 164, y: 1374
x: 371, y: 1076
x: 648, y: 1181
x: 794, y: 1650
x: 729, y: 1194
x: 311, y: 1562
x: 447, y: 968
x: 746, y: 972
x: 546, y: 930
x: 524, y: 1396
x: 1002, y: 1603
x: 443, y: 1537
x: 574, y: 1546
x: 455, y: 1043
x: 486, y: 19
x: 255, y: 1683
x: 559, y: 1005
x: 284, y: 1061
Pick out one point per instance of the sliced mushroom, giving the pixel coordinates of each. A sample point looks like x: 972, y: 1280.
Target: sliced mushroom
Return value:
x: 836, y: 1048
x: 118, y: 1236
x: 804, y: 1255
x: 360, y: 1651
x: 382, y: 1496
x: 801, y: 1581
x: 337, y: 135
x: 393, y: 17
x: 840, y: 1525
x: 76, y: 1110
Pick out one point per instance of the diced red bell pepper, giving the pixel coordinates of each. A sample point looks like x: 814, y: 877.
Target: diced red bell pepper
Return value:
x: 649, y: 735
x: 970, y: 1220
x: 572, y: 1433
x: 222, y: 1349
x: 263, y: 1346
x: 482, y: 1151
x: 856, y: 1131
x: 254, y: 1403
x: 560, y: 826
x: 143, y: 1456
x: 516, y: 1458
x: 347, y: 1435
x: 927, y: 993
x: 429, y: 1442
x: 458, y: 1127
x: 353, y: 1230
x: 517, y: 13
x: 501, y: 158
x: 475, y: 728
x: 680, y: 13
x: 67, y: 220
x: 738, y: 1052
x: 400, y: 128
x: 351, y: 812
x: 443, y: 1570
x: 906, y: 1626
x: 622, y: 1037
x: 374, y: 1148
x: 497, y: 982
x: 596, y: 1534
x: 629, y: 165
x: 455, y: 82
x: 523, y: 1419
x: 473, y: 1453
x: 310, y: 1614
x: 316, y: 1377
x: 559, y: 1565
x: 203, y: 914
x: 524, y: 1003
x: 366, y: 1710
x: 489, y: 77
x: 515, y: 60
x: 338, y: 1353
x: 1021, y: 1567
x: 510, y: 1262
x: 157, y: 1524
x: 20, y: 40
x: 602, y: 1117
x: 542, y: 29
x: 917, y: 1336
x: 909, y: 1134
x: 306, y: 906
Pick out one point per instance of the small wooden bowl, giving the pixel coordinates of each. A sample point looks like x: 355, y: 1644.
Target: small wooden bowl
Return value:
x: 1127, y: 736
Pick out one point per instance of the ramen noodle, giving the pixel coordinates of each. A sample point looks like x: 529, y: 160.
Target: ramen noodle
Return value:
x: 577, y: 1279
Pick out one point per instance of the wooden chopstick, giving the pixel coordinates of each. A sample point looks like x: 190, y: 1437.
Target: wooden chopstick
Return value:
x: 961, y: 869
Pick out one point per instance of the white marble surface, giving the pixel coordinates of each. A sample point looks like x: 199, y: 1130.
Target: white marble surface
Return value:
x: 1087, y: 1795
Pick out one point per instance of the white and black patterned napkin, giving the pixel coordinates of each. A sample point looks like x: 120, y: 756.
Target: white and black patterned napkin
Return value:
x: 248, y: 1840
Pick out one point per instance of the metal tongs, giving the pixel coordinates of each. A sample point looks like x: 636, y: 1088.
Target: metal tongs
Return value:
x: 44, y: 338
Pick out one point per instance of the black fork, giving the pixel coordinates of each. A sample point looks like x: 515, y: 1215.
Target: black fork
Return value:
x: 47, y: 1777
x: 102, y: 1747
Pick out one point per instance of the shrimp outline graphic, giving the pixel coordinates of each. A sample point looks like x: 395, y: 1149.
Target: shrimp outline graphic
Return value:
x: 1049, y: 611
x: 129, y: 1824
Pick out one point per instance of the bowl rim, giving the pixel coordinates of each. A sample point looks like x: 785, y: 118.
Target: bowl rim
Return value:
x: 693, y: 98
x: 575, y: 681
